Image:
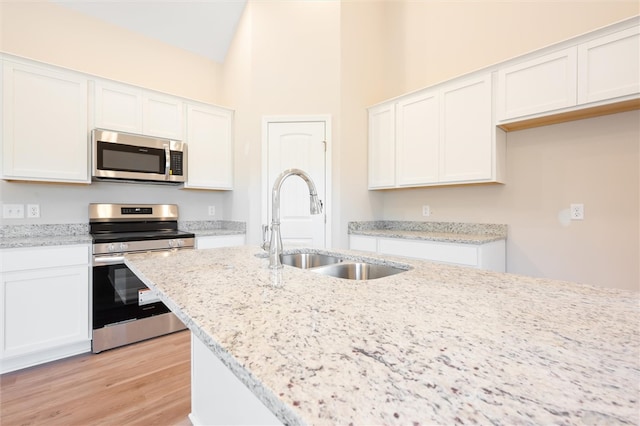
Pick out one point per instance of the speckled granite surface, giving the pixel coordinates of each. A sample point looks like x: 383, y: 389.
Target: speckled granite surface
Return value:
x: 213, y: 227
x: 437, y: 344
x: 452, y: 232
x: 16, y: 236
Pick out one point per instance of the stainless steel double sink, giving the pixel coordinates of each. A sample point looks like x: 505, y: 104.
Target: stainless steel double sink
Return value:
x: 339, y: 267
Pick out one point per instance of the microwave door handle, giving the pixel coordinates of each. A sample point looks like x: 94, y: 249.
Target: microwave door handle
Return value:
x: 167, y: 161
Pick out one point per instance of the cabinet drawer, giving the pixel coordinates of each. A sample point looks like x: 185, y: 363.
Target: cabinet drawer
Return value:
x: 358, y: 242
x: 216, y: 241
x: 43, y: 257
x: 440, y: 252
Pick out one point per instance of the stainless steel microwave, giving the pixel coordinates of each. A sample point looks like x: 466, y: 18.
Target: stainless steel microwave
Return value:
x: 130, y: 157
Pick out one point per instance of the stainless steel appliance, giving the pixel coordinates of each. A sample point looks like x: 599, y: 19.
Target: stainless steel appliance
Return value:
x: 124, y: 309
x: 125, y: 156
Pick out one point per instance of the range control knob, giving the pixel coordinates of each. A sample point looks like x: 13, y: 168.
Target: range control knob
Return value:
x: 172, y: 243
x: 180, y: 243
x: 124, y: 246
x: 111, y: 248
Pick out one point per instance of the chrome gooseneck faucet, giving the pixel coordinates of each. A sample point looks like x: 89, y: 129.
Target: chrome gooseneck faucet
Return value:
x: 275, y: 241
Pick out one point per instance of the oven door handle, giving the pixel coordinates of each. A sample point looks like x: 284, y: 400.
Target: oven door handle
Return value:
x: 108, y: 260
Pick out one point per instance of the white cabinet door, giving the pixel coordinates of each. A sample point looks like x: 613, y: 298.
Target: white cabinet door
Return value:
x: 163, y: 116
x: 216, y: 241
x: 363, y: 243
x: 466, y: 131
x: 538, y: 85
x: 44, y: 124
x: 382, y: 171
x: 210, y: 148
x: 132, y: 109
x: 461, y: 254
x: 118, y: 107
x: 418, y: 138
x: 609, y: 67
x: 490, y: 256
x: 44, y: 297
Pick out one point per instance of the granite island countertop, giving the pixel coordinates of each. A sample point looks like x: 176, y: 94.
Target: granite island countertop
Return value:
x: 448, y: 232
x: 437, y: 344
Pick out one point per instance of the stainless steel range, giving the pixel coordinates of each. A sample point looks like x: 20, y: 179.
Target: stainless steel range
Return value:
x: 124, y: 309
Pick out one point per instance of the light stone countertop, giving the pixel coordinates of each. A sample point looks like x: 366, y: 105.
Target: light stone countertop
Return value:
x: 438, y: 344
x: 449, y: 232
x: 20, y: 236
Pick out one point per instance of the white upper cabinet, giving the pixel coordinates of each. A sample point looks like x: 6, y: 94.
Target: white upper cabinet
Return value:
x: 418, y: 143
x: 210, y: 147
x: 382, y: 128
x: 44, y: 124
x: 439, y: 136
x: 467, y: 135
x: 541, y: 84
x: 134, y: 110
x: 588, y: 73
x: 162, y: 116
x: 609, y: 67
x: 118, y: 107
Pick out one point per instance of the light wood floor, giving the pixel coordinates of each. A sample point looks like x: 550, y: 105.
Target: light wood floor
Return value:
x: 147, y: 383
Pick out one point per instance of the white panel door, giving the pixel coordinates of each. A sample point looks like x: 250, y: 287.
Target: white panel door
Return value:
x: 118, y: 107
x: 382, y: 170
x: 609, y: 67
x: 209, y: 147
x: 417, y: 139
x: 163, y: 116
x: 44, y: 124
x: 538, y: 85
x: 300, y: 145
x: 466, y: 150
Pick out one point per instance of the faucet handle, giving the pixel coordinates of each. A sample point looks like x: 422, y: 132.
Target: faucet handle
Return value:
x: 265, y: 237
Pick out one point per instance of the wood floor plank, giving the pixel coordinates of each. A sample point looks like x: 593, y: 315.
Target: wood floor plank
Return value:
x: 147, y: 383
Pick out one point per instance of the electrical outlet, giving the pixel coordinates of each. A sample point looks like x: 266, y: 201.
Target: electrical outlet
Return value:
x: 33, y: 210
x: 12, y: 211
x: 212, y: 210
x: 426, y: 211
x: 576, y: 211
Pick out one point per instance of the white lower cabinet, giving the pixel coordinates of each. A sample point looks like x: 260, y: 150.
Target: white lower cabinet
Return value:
x: 216, y: 241
x: 45, y: 301
x: 490, y: 256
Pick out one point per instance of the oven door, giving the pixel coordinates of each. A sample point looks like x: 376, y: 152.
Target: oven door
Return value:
x: 119, y: 295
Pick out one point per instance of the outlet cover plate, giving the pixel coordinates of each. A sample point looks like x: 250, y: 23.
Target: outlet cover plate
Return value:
x: 12, y: 211
x: 33, y: 211
x: 576, y: 211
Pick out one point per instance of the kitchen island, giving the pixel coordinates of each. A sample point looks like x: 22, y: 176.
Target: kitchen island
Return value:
x: 436, y: 344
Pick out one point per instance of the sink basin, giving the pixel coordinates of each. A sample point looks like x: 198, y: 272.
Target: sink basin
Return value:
x: 308, y: 260
x: 358, y: 271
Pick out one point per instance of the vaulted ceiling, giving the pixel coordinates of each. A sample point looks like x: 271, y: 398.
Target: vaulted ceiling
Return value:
x: 204, y: 27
